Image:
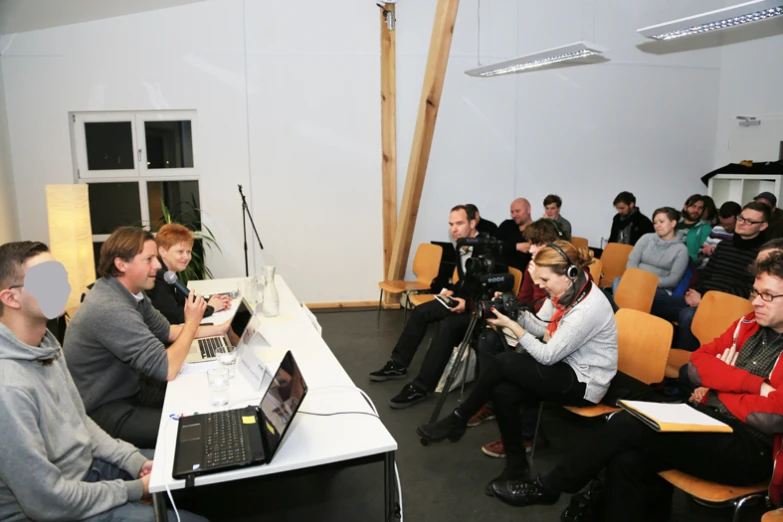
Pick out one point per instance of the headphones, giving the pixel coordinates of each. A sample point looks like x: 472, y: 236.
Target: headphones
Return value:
x: 572, y: 272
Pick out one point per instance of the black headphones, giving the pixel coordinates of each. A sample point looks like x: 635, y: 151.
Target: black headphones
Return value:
x: 572, y: 272
x: 558, y: 227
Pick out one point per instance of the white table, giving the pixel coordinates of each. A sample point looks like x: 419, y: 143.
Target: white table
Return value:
x: 311, y: 440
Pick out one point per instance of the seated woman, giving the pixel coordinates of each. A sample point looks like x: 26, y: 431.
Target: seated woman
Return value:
x: 539, y: 233
x: 572, y: 365
x: 175, y: 244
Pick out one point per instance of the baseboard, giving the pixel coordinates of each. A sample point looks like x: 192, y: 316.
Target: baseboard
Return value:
x: 350, y: 305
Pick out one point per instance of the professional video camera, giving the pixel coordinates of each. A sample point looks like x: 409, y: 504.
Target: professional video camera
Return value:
x: 505, y: 303
x: 482, y: 264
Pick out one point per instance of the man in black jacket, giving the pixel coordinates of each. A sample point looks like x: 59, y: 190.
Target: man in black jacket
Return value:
x: 452, y: 324
x: 483, y: 225
x: 516, y: 248
x: 629, y: 224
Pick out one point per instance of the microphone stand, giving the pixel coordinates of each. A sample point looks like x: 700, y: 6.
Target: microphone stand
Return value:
x: 246, y: 214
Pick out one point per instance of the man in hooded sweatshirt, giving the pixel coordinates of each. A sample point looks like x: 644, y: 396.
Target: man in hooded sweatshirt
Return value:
x: 57, y: 463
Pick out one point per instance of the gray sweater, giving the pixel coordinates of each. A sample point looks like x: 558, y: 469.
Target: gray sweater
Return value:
x: 111, y: 340
x: 49, y: 442
x: 666, y: 259
x: 585, y: 339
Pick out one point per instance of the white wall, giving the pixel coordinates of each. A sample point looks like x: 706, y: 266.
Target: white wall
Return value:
x: 9, y: 226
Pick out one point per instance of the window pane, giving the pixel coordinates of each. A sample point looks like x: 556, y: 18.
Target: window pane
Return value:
x: 169, y: 144
x: 113, y: 205
x: 181, y: 199
x: 109, y: 145
x: 96, y: 250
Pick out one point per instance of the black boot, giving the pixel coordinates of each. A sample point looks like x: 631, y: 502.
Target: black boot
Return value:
x: 522, y: 493
x: 452, y: 427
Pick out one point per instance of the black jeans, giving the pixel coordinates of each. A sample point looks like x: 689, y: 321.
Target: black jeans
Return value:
x: 135, y: 419
x: 633, y: 454
x: 514, y: 381
x: 450, y: 331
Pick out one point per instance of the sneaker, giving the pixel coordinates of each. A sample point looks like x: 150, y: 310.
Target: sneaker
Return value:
x: 409, y: 396
x: 494, y: 449
x: 392, y: 370
x: 484, y: 414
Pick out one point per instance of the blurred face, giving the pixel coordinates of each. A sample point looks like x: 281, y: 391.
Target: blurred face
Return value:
x: 18, y: 298
x: 139, y: 273
x: 177, y: 257
x: 766, y: 202
x: 459, y: 226
x: 768, y: 313
x: 664, y: 226
x: 552, y: 283
x: 520, y: 212
x: 694, y: 211
x: 728, y: 223
x: 624, y: 209
x: 750, y: 223
x: 552, y: 211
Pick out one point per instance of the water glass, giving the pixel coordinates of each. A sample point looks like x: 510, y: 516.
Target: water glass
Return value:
x: 227, y: 358
x: 218, y: 385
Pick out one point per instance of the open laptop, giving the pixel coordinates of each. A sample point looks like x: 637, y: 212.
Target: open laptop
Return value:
x: 207, y: 348
x: 249, y: 436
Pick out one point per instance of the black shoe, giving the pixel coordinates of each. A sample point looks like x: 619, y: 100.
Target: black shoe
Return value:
x: 452, y: 427
x: 523, y: 473
x: 523, y: 493
x: 408, y: 396
x: 392, y: 370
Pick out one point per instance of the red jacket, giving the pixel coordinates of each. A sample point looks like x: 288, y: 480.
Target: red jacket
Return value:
x: 738, y: 390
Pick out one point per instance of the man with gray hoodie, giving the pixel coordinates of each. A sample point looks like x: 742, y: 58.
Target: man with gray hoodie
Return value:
x: 57, y: 463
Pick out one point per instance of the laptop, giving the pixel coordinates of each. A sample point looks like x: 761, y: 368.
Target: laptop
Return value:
x: 249, y: 436
x: 207, y: 348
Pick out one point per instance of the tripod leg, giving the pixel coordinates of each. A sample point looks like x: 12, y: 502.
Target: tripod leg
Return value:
x: 454, y: 370
x: 380, y: 301
x: 535, y: 433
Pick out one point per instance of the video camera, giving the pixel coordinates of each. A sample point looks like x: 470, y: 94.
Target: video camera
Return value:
x: 506, y: 303
x: 482, y: 264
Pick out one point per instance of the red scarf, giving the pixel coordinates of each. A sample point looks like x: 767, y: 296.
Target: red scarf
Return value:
x: 560, y: 311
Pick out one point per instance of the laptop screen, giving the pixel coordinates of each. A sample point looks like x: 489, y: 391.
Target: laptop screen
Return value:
x: 281, y: 401
x: 239, y: 322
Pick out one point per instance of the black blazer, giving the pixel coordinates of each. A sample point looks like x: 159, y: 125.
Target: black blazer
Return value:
x: 640, y: 225
x: 168, y: 300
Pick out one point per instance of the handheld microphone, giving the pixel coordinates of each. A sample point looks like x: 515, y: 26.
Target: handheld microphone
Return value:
x: 172, y: 279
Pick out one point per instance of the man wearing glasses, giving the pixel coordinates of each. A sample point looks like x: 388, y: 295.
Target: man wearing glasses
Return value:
x: 727, y: 272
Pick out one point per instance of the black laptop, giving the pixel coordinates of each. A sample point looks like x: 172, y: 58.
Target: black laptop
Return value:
x: 248, y: 436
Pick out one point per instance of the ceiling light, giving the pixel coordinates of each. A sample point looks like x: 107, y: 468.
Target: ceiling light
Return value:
x: 733, y: 16
x: 537, y: 60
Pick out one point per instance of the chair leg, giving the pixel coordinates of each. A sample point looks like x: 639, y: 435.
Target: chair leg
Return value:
x: 405, y: 313
x: 538, y: 427
x: 741, y: 502
x: 380, y: 301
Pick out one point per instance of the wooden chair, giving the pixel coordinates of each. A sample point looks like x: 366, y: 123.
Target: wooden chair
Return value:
x: 716, y: 312
x: 636, y: 290
x: 614, y: 259
x: 773, y: 516
x: 596, y: 266
x: 713, y: 493
x: 426, y: 264
x: 517, y: 278
x: 420, y: 299
x: 579, y: 242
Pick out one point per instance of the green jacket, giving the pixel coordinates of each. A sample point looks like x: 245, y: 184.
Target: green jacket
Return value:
x: 696, y: 238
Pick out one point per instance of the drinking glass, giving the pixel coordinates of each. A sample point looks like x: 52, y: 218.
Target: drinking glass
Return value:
x: 218, y: 385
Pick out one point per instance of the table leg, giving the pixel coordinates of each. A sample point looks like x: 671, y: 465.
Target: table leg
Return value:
x: 159, y: 504
x: 392, y: 507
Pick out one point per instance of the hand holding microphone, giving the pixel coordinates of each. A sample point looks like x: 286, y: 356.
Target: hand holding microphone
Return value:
x: 194, y: 304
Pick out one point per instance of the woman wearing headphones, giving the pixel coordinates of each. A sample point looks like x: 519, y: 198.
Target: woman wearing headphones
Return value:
x: 568, y: 355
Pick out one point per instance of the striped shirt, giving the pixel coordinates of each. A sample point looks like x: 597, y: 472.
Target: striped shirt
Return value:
x: 727, y: 270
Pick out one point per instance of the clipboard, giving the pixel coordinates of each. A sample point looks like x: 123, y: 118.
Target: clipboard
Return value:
x: 673, y: 418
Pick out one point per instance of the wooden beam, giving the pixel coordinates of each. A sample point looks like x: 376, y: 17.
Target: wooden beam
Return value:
x: 434, y: 76
x: 388, y: 138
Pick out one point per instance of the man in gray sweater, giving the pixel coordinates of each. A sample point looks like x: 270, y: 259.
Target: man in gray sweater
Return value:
x: 57, y: 463
x: 115, y: 342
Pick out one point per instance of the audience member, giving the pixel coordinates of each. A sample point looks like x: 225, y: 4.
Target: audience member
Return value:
x: 452, y: 323
x: 691, y: 230
x: 568, y: 355
x: 175, y: 245
x: 516, y: 251
x: 629, y: 224
x: 539, y: 233
x: 57, y: 463
x: 727, y: 271
x: 115, y: 342
x: 727, y: 217
x: 483, y: 225
x: 552, y: 204
x: 739, y: 370
x: 710, y: 214
x: 769, y: 198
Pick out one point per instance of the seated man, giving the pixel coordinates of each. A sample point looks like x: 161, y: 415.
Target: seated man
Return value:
x: 452, y: 325
x: 739, y: 369
x: 552, y: 204
x: 727, y: 272
x: 691, y: 229
x: 516, y: 248
x: 115, y: 341
x: 629, y: 224
x: 483, y: 225
x: 727, y: 216
x: 57, y: 463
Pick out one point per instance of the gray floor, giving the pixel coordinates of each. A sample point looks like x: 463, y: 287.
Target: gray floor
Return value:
x: 440, y: 482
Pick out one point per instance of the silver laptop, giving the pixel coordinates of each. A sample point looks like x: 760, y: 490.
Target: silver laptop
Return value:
x: 207, y: 348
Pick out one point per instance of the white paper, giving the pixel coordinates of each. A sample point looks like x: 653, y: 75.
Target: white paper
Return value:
x: 673, y: 413
x: 224, y: 315
x: 197, y: 367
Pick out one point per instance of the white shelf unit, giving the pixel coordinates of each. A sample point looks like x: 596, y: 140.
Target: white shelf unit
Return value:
x: 742, y: 188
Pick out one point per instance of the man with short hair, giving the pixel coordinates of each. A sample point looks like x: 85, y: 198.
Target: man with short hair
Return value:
x: 727, y: 272
x: 552, y: 204
x: 483, y: 225
x: 452, y: 324
x: 57, y: 463
x: 629, y: 224
x: 516, y: 248
x: 116, y: 341
x: 727, y: 216
x: 691, y: 230
x: 770, y: 199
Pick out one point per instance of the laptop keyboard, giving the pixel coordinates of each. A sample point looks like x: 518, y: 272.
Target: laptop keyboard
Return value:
x: 225, y: 439
x: 210, y: 345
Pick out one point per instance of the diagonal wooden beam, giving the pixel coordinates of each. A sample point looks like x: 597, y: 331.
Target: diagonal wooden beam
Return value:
x: 434, y: 76
x: 388, y: 135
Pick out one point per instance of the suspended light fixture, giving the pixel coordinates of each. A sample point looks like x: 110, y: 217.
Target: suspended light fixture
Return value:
x: 734, y: 16
x: 574, y: 51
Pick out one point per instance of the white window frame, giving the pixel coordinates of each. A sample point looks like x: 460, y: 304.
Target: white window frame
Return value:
x: 79, y: 141
x: 141, y: 118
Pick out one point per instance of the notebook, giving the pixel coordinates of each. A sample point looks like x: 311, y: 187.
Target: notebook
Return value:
x: 673, y: 417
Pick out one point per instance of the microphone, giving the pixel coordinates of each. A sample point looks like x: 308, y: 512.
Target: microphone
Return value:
x: 172, y: 279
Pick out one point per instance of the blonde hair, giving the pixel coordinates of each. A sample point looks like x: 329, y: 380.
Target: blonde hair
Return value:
x: 552, y: 259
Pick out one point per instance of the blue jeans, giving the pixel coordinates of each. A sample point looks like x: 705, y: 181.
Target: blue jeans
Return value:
x: 674, y: 308
x: 131, y: 511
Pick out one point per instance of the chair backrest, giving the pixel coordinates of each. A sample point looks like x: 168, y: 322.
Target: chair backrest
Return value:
x: 579, y: 242
x: 716, y: 312
x: 643, y: 343
x: 636, y: 290
x: 517, y: 278
x: 614, y: 258
x: 596, y: 267
x: 426, y: 263
x: 455, y: 275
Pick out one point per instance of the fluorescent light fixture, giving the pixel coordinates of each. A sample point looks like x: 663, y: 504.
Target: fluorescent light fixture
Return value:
x: 733, y: 16
x: 540, y: 59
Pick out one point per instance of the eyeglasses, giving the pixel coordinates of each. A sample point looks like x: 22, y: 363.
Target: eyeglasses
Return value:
x: 741, y: 219
x: 764, y: 295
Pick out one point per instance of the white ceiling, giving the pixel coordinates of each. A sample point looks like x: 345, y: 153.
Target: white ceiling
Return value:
x: 17, y: 16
